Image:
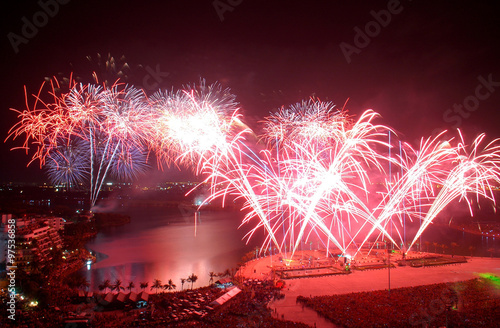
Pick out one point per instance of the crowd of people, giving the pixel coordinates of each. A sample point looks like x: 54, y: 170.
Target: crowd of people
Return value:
x: 472, y: 303
x: 249, y: 309
x: 188, y: 308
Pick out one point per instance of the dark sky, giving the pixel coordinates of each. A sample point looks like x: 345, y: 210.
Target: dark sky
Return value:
x: 412, y: 66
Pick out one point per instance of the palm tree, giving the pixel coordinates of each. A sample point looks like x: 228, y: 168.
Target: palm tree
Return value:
x: 118, y: 285
x: 144, y: 285
x: 212, y: 275
x: 453, y: 248
x: 183, y: 280
x: 84, y: 284
x: 435, y: 246
x: 77, y: 281
x: 234, y: 271
x: 427, y: 243
x: 105, y: 285
x: 130, y: 286
x: 156, y: 285
x: 170, y: 285
x: 471, y: 249
x: 192, y: 278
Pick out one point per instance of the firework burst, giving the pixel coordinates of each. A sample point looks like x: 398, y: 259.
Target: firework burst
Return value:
x: 316, y: 171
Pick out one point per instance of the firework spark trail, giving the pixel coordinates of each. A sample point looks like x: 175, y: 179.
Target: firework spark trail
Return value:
x: 472, y: 175
x: 337, y: 169
x: 319, y: 181
x: 318, y: 175
x: 46, y: 126
x: 124, y: 113
x: 208, y: 134
x: 415, y: 183
x: 239, y: 180
x: 107, y: 119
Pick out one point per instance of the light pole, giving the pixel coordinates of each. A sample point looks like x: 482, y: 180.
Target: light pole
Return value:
x: 388, y: 265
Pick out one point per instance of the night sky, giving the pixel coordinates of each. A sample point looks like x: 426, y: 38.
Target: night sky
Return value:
x: 423, y: 65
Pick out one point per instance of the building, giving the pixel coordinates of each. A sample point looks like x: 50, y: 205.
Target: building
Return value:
x: 35, y: 239
x: 36, y: 243
x: 4, y: 236
x: 56, y: 223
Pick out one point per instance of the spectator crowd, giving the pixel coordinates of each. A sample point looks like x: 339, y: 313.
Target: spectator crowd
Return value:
x: 471, y: 303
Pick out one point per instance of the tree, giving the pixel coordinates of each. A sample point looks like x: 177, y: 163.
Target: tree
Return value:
x: 453, y: 247
x: 183, y: 280
x: 144, y: 285
x: 105, y: 285
x: 427, y: 243
x: 77, y: 281
x: 157, y: 285
x: 84, y: 284
x: 170, y: 285
x: 212, y: 275
x: 130, y: 286
x: 192, y: 279
x: 233, y: 272
x: 118, y: 285
x: 55, y: 261
x: 471, y: 249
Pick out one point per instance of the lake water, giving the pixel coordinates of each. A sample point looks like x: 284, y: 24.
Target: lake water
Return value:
x: 164, y: 243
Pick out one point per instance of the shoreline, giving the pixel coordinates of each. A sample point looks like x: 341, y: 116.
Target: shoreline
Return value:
x: 363, y: 281
x: 473, y: 232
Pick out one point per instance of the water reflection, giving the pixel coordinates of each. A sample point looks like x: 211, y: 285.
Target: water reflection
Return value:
x: 161, y: 244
